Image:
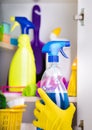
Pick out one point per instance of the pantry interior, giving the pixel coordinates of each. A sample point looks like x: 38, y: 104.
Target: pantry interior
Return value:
x: 54, y: 13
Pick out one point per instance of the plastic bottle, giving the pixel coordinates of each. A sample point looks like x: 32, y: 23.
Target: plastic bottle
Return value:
x: 22, y: 70
x: 63, y: 63
x: 51, y: 81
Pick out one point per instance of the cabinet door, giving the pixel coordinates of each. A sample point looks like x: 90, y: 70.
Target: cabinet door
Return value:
x: 85, y: 65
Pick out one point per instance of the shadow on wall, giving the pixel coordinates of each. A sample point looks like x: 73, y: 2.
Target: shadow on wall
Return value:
x: 5, y: 59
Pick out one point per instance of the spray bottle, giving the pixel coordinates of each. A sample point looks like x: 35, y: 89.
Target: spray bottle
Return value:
x: 51, y: 81
x: 22, y: 70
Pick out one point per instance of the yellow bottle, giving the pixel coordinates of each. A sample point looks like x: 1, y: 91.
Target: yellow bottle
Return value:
x: 72, y: 86
x: 22, y: 70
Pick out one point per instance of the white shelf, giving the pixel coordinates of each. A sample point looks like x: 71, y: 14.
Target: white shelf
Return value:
x: 7, y: 46
x: 27, y: 126
x: 73, y: 99
x: 35, y: 1
x: 33, y: 99
x: 27, y: 99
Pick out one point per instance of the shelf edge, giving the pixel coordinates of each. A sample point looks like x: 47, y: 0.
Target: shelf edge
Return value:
x: 7, y: 46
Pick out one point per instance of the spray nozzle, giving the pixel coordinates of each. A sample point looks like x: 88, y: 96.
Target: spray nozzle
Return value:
x: 53, y: 48
x: 23, y: 22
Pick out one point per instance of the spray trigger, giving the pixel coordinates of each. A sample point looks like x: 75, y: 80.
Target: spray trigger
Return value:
x: 62, y: 52
x: 14, y: 26
x: 12, y: 19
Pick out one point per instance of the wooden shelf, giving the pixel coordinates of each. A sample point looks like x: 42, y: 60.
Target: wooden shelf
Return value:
x: 7, y: 46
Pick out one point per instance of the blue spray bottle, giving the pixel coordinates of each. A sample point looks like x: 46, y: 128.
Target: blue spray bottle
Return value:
x: 51, y: 81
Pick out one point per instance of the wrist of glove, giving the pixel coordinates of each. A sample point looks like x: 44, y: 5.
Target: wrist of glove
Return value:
x: 50, y: 117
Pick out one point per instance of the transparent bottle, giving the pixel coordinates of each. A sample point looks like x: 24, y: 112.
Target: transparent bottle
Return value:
x: 52, y: 79
x: 52, y: 84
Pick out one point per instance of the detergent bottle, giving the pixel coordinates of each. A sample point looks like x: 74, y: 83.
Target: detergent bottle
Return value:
x: 63, y: 63
x: 22, y: 70
x: 52, y: 82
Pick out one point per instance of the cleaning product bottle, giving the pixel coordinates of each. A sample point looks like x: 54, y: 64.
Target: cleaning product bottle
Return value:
x: 63, y: 63
x: 51, y: 81
x: 22, y: 70
x: 72, y: 86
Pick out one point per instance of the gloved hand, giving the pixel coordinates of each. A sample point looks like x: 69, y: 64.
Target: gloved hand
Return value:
x: 50, y: 116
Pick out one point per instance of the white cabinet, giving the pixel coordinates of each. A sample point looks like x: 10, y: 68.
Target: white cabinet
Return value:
x: 84, y: 104
x: 59, y: 13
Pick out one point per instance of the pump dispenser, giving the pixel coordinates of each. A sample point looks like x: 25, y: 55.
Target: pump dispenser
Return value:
x: 22, y: 70
x: 51, y: 80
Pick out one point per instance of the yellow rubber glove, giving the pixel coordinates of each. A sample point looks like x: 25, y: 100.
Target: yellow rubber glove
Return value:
x: 50, y: 116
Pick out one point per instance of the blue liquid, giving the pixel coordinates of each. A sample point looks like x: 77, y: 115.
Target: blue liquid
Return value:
x: 38, y: 129
x: 64, y: 101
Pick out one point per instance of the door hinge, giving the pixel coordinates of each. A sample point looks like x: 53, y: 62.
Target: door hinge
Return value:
x: 81, y: 125
x: 80, y: 17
